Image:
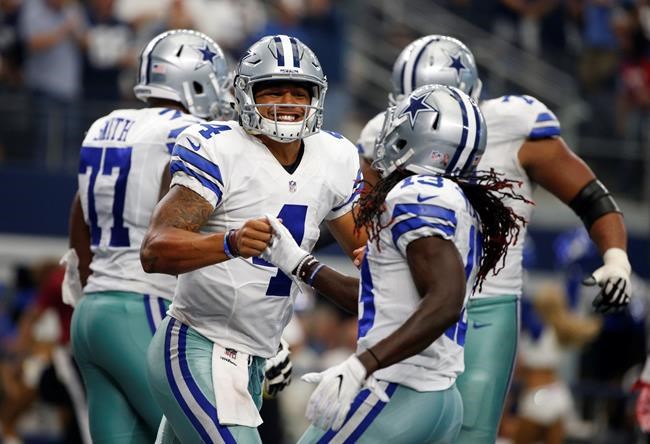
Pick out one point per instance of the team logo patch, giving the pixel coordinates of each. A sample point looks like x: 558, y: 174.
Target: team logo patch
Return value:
x: 293, y: 186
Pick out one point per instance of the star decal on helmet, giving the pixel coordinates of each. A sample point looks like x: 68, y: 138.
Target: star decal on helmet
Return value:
x: 417, y: 105
x: 457, y: 64
x: 208, y: 55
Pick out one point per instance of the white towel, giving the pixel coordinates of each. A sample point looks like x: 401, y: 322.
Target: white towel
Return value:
x: 71, y: 289
x: 235, y: 405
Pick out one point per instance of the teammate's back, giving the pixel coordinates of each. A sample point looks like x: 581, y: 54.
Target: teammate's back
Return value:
x: 123, y: 159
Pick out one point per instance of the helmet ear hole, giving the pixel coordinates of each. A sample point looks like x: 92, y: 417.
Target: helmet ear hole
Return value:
x: 198, y: 88
x: 400, y: 144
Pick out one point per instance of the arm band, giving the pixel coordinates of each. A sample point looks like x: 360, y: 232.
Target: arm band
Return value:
x: 228, y: 247
x: 592, y: 202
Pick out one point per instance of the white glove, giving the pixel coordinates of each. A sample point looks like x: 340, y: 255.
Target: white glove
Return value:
x: 277, y: 370
x: 282, y: 251
x: 337, y: 387
x: 614, y: 279
x: 71, y: 290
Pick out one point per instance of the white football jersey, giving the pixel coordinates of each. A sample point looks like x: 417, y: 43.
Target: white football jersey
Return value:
x: 419, y: 206
x: 121, y: 163
x: 246, y: 303
x: 368, y: 136
x: 511, y: 120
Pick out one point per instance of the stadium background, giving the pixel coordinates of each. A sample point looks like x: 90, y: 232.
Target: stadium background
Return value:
x: 588, y: 60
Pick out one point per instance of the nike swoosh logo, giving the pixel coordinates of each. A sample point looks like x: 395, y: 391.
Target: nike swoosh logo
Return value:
x: 477, y: 325
x: 194, y: 146
x: 340, y: 378
x: 425, y: 198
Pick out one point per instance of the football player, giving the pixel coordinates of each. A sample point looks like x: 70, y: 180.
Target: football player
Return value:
x: 524, y: 143
x: 123, y: 171
x: 428, y: 208
x: 230, y: 306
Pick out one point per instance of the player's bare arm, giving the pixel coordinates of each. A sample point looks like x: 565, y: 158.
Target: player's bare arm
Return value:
x: 343, y: 230
x: 174, y: 245
x: 79, y: 235
x: 550, y: 163
x: 442, y: 288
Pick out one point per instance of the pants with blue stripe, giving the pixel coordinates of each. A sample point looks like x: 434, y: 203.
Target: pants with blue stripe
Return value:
x: 490, y: 352
x: 111, y: 332
x: 409, y: 417
x: 180, y: 375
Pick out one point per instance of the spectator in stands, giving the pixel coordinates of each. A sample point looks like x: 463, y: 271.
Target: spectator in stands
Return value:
x: 231, y: 23
x: 11, y: 51
x: 324, y: 26
x: 108, y: 50
x: 59, y: 382
x: 52, y: 31
x: 633, y: 96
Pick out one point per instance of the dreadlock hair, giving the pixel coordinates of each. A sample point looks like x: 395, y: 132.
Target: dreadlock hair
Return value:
x: 500, y: 225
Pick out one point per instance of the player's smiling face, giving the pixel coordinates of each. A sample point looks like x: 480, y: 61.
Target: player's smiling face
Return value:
x: 290, y: 93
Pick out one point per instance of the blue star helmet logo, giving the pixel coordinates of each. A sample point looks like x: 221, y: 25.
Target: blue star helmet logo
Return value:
x: 207, y: 54
x: 416, y: 105
x: 456, y: 64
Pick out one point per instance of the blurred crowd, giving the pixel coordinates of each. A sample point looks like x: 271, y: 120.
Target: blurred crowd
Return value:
x: 64, y: 63
x: 605, y: 45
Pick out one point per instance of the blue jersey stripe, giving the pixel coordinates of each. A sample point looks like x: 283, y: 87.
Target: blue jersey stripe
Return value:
x: 463, y: 137
x: 544, y: 132
x: 545, y: 117
x: 415, y: 223
x: 372, y: 415
x: 367, y: 298
x: 355, y: 192
x: 426, y: 210
x: 174, y: 387
x: 199, y: 162
x: 469, y: 266
x: 294, y: 49
x: 279, y: 50
x: 361, y: 396
x: 177, y: 165
x: 198, y: 395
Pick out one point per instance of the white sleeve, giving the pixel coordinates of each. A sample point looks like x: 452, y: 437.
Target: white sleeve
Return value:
x: 526, y: 117
x: 346, y: 185
x: 196, y: 161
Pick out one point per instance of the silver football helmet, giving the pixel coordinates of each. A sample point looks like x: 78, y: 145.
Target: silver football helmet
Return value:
x: 187, y: 67
x: 436, y: 129
x: 279, y: 58
x: 435, y: 59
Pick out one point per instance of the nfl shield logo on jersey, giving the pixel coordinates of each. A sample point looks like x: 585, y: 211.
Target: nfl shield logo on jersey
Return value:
x: 293, y: 186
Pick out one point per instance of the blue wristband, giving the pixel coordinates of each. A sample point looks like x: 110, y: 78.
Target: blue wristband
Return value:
x: 312, y: 277
x: 226, y: 245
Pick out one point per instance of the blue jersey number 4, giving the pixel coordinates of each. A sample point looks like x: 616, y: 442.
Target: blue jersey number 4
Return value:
x: 293, y: 217
x: 120, y: 158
